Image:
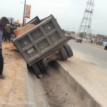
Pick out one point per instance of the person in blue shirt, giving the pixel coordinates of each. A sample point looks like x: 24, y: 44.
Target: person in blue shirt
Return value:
x: 3, y: 22
x: 1, y: 56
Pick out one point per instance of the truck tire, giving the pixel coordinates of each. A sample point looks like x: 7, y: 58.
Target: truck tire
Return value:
x: 31, y: 70
x: 105, y: 48
x: 63, y: 54
x: 37, y: 70
x: 68, y: 50
x: 42, y: 66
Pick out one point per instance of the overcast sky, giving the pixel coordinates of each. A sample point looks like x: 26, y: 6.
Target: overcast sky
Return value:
x: 69, y: 13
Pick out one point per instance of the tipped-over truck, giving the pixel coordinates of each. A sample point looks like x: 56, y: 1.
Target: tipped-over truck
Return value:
x: 43, y: 43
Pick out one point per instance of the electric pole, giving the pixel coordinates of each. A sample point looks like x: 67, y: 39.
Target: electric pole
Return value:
x: 24, y: 12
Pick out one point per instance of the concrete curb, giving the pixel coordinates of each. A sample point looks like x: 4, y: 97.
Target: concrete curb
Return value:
x: 30, y: 91
x: 87, y: 99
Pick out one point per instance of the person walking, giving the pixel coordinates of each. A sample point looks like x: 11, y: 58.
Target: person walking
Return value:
x: 4, y: 22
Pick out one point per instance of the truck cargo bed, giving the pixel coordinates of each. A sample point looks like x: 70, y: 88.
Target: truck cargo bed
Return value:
x: 40, y: 41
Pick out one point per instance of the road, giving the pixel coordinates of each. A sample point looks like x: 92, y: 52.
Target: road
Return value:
x: 89, y: 67
x: 95, y: 54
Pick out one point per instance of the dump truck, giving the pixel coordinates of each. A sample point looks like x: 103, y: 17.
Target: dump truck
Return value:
x: 41, y: 43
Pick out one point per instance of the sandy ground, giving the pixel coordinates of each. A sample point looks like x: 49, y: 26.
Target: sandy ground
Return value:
x: 13, y: 89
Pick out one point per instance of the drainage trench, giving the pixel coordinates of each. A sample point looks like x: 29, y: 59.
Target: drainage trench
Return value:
x: 52, y: 90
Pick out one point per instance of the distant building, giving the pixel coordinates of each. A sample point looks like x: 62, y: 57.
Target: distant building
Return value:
x: 101, y: 37
x: 71, y: 33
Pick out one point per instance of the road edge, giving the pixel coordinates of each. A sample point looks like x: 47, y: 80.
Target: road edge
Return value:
x: 30, y: 92
x: 84, y: 95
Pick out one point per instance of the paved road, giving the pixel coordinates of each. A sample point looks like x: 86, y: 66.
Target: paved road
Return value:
x: 95, y: 55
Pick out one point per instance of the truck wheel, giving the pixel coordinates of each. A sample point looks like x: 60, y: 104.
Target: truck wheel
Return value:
x: 37, y: 71
x: 42, y: 66
x: 30, y: 69
x: 63, y: 54
x: 105, y: 48
x: 68, y: 50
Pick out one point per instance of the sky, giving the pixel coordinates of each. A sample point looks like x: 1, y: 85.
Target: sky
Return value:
x: 68, y: 13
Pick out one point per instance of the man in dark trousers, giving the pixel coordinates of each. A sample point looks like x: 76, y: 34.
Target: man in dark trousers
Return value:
x: 8, y: 32
x: 1, y: 56
x: 3, y: 22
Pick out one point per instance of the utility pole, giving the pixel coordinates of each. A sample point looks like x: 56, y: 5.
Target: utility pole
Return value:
x: 24, y: 12
x: 85, y: 26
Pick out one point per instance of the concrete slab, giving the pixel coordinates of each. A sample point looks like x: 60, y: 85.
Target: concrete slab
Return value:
x: 87, y: 80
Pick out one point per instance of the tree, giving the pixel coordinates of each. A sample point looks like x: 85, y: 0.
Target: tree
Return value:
x: 81, y: 35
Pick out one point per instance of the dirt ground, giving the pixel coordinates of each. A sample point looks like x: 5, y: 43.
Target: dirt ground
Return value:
x: 13, y: 89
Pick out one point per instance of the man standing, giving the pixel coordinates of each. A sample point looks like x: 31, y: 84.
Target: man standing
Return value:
x: 8, y: 32
x: 3, y: 22
x: 1, y: 57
